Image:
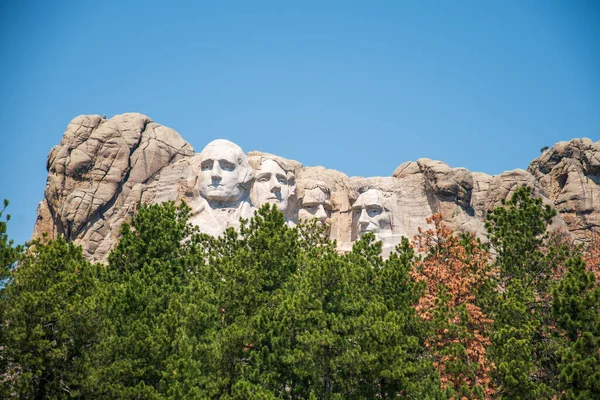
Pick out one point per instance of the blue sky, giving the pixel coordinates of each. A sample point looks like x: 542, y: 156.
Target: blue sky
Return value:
x: 358, y: 86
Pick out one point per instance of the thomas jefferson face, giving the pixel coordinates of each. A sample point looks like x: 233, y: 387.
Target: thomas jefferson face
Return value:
x: 369, y: 213
x: 222, y: 172
x: 271, y: 185
x: 315, y: 204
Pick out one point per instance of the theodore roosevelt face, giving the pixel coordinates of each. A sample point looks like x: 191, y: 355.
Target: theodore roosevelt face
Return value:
x: 316, y: 204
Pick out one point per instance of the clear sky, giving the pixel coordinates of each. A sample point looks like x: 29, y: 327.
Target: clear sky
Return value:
x: 357, y: 86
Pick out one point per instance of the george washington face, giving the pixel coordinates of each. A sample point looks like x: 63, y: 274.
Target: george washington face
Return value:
x: 223, y: 172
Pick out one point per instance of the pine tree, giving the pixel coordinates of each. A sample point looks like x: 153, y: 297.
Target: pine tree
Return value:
x: 576, y: 305
x: 320, y: 307
x: 348, y: 326
x: 159, y: 316
x: 8, y: 257
x: 49, y: 319
x: 394, y: 362
x: 249, y: 270
x: 523, y: 347
x: 8, y: 252
x: 454, y: 270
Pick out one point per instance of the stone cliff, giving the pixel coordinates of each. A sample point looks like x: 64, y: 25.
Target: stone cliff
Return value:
x: 103, y: 169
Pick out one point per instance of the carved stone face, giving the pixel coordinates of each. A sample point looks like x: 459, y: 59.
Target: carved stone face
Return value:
x: 222, y: 172
x: 315, y: 204
x: 370, y: 215
x: 271, y: 185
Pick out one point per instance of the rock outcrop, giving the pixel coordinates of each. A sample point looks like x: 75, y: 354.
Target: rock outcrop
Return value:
x: 102, y: 169
x: 97, y: 174
x: 569, y: 174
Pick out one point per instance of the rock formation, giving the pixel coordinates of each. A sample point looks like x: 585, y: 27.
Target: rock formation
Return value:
x: 102, y: 169
x: 569, y: 174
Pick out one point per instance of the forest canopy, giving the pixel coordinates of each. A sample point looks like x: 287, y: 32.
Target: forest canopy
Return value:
x: 276, y: 312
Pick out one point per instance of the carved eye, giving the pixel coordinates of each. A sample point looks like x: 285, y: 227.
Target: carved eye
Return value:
x: 374, y: 211
x: 311, y: 208
x: 226, y: 165
x: 282, y: 179
x: 206, y: 165
x: 263, y: 178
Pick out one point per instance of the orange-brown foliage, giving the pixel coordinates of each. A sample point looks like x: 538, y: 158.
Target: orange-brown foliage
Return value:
x: 450, y: 265
x: 591, y: 255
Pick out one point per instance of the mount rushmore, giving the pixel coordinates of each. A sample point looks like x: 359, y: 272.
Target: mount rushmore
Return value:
x: 103, y: 169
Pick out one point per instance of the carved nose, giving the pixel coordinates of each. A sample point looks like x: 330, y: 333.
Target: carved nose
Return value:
x: 275, y: 185
x: 364, y: 218
x: 321, y: 214
x: 216, y: 171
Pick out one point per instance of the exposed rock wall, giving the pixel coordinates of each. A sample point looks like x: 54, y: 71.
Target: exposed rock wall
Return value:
x: 97, y: 174
x: 102, y: 169
x: 569, y: 174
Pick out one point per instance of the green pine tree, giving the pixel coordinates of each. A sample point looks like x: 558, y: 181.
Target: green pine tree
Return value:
x: 522, y: 345
x: 8, y: 252
x: 576, y: 305
x: 394, y: 361
x: 159, y: 312
x: 8, y: 257
x: 248, y: 270
x: 49, y: 318
x: 349, y: 329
